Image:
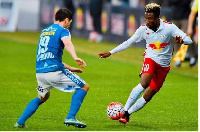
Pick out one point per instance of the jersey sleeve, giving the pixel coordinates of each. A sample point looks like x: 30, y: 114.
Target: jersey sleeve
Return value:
x: 137, y: 37
x: 65, y: 33
x: 195, y: 6
x: 177, y: 32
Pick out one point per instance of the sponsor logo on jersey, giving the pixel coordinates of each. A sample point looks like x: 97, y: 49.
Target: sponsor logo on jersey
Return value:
x: 49, y: 29
x: 46, y: 67
x: 147, y: 32
x: 69, y: 87
x: 47, y: 33
x: 45, y: 64
x: 158, y: 46
x: 74, y: 79
x: 162, y: 36
x: 47, y: 55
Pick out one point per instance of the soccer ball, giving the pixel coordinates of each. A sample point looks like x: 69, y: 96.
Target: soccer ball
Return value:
x: 115, y: 110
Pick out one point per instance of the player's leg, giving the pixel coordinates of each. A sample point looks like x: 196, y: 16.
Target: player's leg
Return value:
x: 135, y: 93
x: 77, y: 100
x: 192, y: 49
x: 148, y: 94
x: 145, y: 81
x: 69, y: 81
x: 43, y: 95
x: 76, y: 103
x: 31, y: 109
x: 146, y: 75
x: 154, y: 86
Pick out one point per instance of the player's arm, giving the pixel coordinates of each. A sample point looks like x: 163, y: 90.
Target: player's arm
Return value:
x: 119, y: 48
x: 70, y: 48
x: 180, y: 36
x: 73, y: 69
x: 178, y: 39
x: 192, y: 18
x: 191, y: 22
x: 126, y: 44
x: 183, y: 40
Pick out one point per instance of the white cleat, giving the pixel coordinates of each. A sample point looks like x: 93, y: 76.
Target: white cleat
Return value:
x: 74, y: 122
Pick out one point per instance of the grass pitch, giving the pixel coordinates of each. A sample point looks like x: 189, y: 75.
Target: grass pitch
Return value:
x: 173, y: 108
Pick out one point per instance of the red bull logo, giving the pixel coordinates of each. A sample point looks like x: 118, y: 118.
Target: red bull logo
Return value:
x: 158, y: 46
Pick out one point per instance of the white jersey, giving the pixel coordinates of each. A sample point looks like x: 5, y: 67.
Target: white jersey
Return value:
x: 158, y: 44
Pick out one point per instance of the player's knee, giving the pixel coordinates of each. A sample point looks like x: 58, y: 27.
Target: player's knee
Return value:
x: 145, y: 84
x: 147, y: 97
x: 145, y: 80
x: 148, y: 94
x: 45, y: 98
x: 86, y: 87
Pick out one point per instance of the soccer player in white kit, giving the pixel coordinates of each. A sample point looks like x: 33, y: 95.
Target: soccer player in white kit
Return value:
x: 157, y: 57
x: 52, y: 72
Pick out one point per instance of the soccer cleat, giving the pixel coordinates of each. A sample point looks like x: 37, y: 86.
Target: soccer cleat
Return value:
x: 17, y: 125
x: 74, y: 122
x: 125, y: 118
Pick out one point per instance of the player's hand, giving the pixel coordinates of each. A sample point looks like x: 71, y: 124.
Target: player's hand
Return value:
x: 73, y: 69
x: 80, y: 62
x: 178, y: 39
x: 189, y: 31
x: 104, y: 55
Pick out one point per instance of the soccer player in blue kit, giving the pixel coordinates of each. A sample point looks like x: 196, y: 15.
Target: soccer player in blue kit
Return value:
x: 52, y: 72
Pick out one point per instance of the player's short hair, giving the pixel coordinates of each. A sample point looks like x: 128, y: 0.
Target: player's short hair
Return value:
x: 62, y: 14
x: 153, y: 8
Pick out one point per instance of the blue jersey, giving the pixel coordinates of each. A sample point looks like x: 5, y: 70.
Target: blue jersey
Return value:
x: 50, y: 49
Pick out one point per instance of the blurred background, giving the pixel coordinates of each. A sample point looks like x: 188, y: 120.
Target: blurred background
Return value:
x: 108, y: 20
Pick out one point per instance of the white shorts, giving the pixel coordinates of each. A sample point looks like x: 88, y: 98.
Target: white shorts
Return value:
x: 66, y: 81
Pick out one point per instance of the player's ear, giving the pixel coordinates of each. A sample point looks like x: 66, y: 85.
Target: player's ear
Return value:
x: 66, y: 20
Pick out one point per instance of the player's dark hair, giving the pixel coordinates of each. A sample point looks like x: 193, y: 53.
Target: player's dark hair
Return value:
x: 62, y: 14
x: 153, y: 8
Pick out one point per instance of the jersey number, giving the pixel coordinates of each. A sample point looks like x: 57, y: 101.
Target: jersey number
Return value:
x: 145, y: 67
x: 43, y: 44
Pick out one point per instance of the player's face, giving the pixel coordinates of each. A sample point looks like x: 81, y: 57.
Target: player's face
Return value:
x: 150, y: 20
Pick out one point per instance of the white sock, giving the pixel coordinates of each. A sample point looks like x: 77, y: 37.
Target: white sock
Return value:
x: 133, y: 96
x: 138, y: 105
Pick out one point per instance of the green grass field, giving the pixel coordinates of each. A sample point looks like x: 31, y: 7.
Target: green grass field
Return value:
x: 173, y: 108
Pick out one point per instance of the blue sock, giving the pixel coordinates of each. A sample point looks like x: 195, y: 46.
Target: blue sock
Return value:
x: 77, y: 100
x: 30, y: 110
